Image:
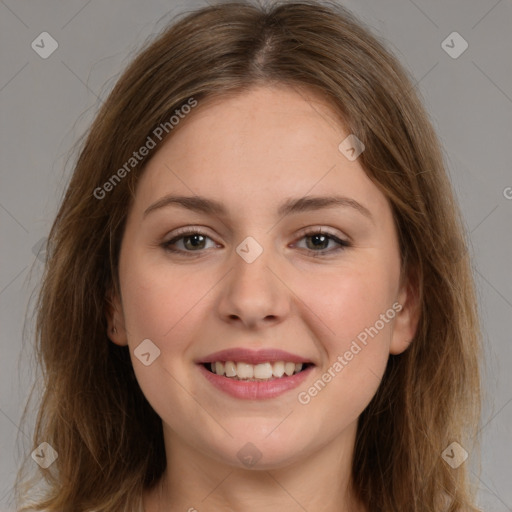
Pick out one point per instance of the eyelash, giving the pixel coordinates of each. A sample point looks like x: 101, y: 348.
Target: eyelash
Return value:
x: 343, y: 244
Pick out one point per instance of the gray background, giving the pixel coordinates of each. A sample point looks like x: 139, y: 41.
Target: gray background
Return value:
x: 46, y: 104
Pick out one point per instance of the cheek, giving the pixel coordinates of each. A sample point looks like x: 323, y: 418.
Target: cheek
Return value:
x: 159, y: 300
x: 349, y: 301
x: 358, y: 308
x: 357, y: 318
x: 162, y: 304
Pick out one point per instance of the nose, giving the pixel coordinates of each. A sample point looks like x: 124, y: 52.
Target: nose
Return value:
x: 254, y: 294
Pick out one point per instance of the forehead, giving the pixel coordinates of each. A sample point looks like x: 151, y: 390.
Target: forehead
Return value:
x: 261, y: 119
x: 258, y: 145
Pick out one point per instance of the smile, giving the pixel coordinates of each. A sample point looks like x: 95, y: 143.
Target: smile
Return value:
x: 255, y: 372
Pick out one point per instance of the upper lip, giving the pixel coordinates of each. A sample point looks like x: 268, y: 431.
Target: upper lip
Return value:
x: 253, y: 356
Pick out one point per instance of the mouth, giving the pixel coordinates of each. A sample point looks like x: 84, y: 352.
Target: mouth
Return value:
x: 262, y: 372
x: 255, y: 374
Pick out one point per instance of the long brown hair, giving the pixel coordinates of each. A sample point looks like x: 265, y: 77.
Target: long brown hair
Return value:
x: 108, y: 438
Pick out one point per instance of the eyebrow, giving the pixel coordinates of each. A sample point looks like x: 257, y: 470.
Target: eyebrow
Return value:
x: 290, y: 206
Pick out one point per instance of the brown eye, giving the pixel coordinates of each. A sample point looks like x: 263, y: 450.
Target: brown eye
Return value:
x: 318, y: 242
x: 192, y: 241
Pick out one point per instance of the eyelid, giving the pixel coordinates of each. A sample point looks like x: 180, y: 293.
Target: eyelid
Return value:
x: 308, y: 230
x: 188, y: 230
x: 314, y: 229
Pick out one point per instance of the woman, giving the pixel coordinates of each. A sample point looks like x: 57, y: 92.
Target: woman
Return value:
x: 320, y: 349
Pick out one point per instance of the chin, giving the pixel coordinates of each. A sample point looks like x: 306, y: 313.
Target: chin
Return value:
x: 245, y: 451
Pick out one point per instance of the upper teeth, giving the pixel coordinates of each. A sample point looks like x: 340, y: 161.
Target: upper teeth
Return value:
x: 255, y: 371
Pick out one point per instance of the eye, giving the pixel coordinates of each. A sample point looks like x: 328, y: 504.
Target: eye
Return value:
x: 319, y: 239
x: 193, y: 241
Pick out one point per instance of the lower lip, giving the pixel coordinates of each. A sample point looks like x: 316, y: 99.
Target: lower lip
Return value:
x: 255, y: 390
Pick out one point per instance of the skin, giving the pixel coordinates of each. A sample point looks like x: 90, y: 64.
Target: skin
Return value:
x: 252, y: 151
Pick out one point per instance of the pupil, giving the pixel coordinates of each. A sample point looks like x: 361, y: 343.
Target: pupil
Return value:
x: 316, y: 237
x: 195, y: 238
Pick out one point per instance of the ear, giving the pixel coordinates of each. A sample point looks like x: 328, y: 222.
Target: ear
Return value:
x: 407, y: 318
x: 116, y: 330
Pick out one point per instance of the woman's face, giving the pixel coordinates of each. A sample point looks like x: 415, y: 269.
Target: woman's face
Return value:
x: 274, y: 268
